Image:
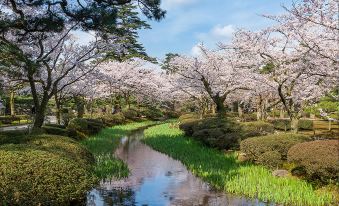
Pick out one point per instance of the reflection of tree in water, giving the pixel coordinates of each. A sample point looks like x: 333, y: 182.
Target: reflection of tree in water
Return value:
x: 114, y: 197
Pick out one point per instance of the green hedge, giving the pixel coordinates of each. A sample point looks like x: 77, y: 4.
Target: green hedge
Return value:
x: 281, y: 124
x: 131, y: 114
x: 257, y: 128
x: 55, y: 130
x: 152, y: 113
x: 220, y: 133
x: 79, y: 128
x: 248, y: 117
x: 305, y: 124
x: 285, y: 124
x: 188, y: 117
x: 49, y: 170
x: 319, y: 159
x: 56, y: 125
x: 255, y: 147
x: 113, y: 119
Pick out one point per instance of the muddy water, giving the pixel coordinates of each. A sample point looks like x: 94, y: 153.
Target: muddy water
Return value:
x: 157, y: 179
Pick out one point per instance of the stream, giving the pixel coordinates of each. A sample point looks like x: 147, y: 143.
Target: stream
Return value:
x: 156, y: 179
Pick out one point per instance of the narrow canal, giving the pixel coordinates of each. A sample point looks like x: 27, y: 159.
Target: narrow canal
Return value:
x: 157, y: 180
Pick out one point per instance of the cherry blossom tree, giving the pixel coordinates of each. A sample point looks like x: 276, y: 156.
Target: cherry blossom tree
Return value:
x: 288, y: 66
x: 216, y: 74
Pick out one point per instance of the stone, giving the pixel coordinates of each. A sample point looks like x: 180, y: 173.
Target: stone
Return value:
x: 242, y: 157
x: 280, y: 173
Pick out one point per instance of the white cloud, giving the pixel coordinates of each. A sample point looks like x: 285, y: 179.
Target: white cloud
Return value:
x: 196, y: 50
x: 170, y: 4
x: 223, y: 31
x: 218, y: 33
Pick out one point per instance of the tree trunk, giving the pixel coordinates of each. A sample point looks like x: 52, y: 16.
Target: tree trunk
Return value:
x: 80, y: 104
x: 40, y: 115
x: 282, y: 115
x: 240, y: 111
x: 294, y: 124
x: 219, y: 102
x: 259, y: 109
x: 58, y: 109
x: 11, y: 103
x: 213, y: 108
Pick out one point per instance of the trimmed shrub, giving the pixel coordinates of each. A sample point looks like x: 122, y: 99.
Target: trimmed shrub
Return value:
x: 258, y: 128
x: 55, y: 130
x: 12, y: 137
x: 79, y: 128
x: 219, y: 138
x: 131, y: 114
x: 232, y: 114
x: 94, y: 125
x: 281, y: 124
x: 271, y: 159
x: 63, y: 146
x: 152, y: 113
x: 114, y: 119
x: 254, y: 147
x: 220, y: 133
x: 187, y: 127
x: 248, y: 117
x: 172, y: 114
x: 319, y: 159
x: 305, y: 124
x: 188, y: 117
x: 285, y: 124
x: 9, y: 119
x: 56, y: 125
x: 44, y: 177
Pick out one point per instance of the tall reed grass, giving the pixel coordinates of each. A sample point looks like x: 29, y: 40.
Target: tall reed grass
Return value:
x: 224, y: 172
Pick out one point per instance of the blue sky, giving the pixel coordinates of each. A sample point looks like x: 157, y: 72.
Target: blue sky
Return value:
x: 189, y: 22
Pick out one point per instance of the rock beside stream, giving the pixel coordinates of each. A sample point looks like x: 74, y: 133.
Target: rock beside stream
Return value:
x: 280, y: 173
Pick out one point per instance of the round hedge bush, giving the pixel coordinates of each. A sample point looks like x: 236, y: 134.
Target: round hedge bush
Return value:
x: 64, y: 146
x: 319, y: 159
x: 254, y: 147
x: 30, y: 175
x: 271, y: 159
x: 257, y: 128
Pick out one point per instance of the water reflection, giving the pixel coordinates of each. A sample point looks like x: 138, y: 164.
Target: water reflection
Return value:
x: 157, y: 179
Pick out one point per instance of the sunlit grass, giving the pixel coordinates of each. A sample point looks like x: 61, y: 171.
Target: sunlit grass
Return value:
x: 224, y: 172
x: 103, y: 146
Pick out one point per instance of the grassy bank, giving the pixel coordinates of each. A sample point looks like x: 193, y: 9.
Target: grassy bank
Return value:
x: 103, y: 145
x: 224, y: 172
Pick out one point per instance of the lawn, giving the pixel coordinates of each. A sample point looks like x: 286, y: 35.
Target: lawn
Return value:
x: 224, y: 172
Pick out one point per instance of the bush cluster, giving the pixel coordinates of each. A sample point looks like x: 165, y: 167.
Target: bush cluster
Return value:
x: 54, y: 170
x: 255, y: 147
x: 188, y: 117
x: 114, y: 119
x: 79, y: 128
x: 319, y: 159
x: 257, y: 128
x: 152, y: 113
x: 285, y: 124
x: 248, y: 117
x: 219, y: 133
x: 55, y: 130
x: 305, y: 124
x: 10, y: 119
x: 131, y: 114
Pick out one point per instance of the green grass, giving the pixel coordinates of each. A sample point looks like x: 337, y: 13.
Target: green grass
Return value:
x: 224, y: 172
x: 103, y: 146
